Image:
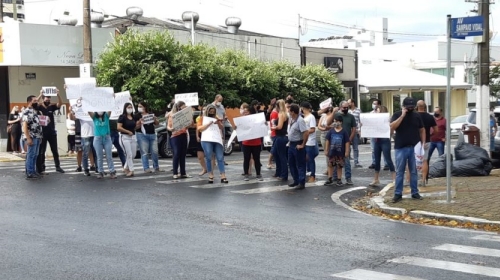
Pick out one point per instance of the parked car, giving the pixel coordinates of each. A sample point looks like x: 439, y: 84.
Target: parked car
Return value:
x: 456, y: 125
x: 471, y: 121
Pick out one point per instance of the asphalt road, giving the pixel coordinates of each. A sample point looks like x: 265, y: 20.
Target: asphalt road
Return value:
x: 67, y: 226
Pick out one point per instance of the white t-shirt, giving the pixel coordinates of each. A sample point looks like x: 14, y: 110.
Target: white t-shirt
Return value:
x: 87, y: 128
x: 70, y: 125
x: 310, y: 123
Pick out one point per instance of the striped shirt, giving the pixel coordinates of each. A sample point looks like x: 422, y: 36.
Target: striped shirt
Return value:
x: 356, y: 112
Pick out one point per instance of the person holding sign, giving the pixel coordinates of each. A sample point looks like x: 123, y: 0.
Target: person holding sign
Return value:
x: 102, y: 141
x: 126, y: 126
x: 251, y: 149
x: 179, y: 140
x: 382, y: 146
x: 49, y: 131
x: 146, y: 137
x: 211, y: 141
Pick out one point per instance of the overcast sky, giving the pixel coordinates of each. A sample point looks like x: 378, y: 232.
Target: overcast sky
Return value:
x: 280, y: 17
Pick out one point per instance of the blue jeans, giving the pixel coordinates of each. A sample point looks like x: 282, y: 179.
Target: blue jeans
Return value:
x: 439, y: 145
x: 383, y: 146
x: 355, y: 148
x: 87, y: 147
x: 406, y: 156
x: 103, y: 143
x: 311, y: 154
x: 211, y: 148
x: 31, y: 156
x: 297, y: 163
x: 280, y: 157
x: 179, y: 148
x: 115, y: 139
x: 148, y: 144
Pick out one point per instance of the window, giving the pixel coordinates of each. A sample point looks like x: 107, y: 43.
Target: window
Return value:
x: 11, y: 15
x: 20, y: 2
x: 439, y: 71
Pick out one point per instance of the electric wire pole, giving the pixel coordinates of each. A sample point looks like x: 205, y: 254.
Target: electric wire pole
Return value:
x: 87, y: 33
x: 483, y: 78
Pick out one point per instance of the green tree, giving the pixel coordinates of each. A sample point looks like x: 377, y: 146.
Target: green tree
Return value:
x: 495, y: 81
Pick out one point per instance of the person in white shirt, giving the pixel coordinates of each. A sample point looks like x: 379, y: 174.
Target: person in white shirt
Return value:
x: 312, y: 149
x: 87, y: 133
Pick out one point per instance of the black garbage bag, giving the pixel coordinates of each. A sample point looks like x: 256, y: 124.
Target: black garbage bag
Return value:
x: 468, y: 151
x: 469, y: 167
x: 437, y: 168
x: 488, y: 167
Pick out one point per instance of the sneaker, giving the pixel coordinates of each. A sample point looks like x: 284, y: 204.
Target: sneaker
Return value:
x: 86, y: 173
x: 148, y: 170
x: 339, y: 182
x: 397, y: 198
x: 32, y: 177
x: 185, y: 176
x: 417, y: 196
x: 59, y: 169
x: 371, y: 166
x: 375, y: 183
x: 357, y: 165
x: 78, y: 169
x: 112, y: 175
x: 311, y: 180
x: 293, y: 185
x: 158, y: 170
x: 100, y: 175
x: 246, y: 178
x: 175, y: 176
x: 329, y: 182
x: 259, y: 178
x: 300, y: 187
x: 348, y: 181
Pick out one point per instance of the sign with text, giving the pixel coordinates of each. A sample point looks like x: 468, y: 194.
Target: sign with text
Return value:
x: 191, y: 99
x: 78, y: 87
x: 49, y: 91
x: 251, y: 127
x: 376, y: 125
x: 120, y: 99
x: 182, y: 119
x: 44, y: 120
x: 76, y: 107
x: 147, y: 119
x: 325, y: 104
x: 467, y: 27
x: 98, y: 99
x: 213, y: 132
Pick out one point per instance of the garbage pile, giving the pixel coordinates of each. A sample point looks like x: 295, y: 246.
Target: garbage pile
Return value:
x: 470, y: 160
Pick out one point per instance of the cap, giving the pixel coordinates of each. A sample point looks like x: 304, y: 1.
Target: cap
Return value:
x: 409, y: 102
x: 306, y: 105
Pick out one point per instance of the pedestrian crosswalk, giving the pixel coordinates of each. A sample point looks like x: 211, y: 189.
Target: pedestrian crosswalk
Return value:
x: 472, y: 269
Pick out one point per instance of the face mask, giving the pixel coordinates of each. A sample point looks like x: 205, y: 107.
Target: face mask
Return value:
x: 242, y: 111
x: 410, y: 110
x: 374, y: 106
x: 436, y: 115
x: 140, y: 109
x: 35, y: 105
x: 129, y: 111
x: 46, y: 103
x: 337, y: 125
x: 217, y: 103
x: 211, y: 115
x: 345, y: 111
x: 100, y: 113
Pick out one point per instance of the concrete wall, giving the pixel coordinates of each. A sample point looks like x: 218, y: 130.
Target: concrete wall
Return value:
x: 317, y: 55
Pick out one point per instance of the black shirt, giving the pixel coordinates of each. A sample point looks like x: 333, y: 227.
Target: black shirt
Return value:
x: 128, y: 124
x: 148, y: 128
x: 78, y: 126
x: 408, y: 132
x: 428, y: 122
x: 49, y: 111
x: 284, y: 129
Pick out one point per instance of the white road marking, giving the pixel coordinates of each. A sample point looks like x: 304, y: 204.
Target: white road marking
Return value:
x: 269, y: 189
x: 469, y: 250
x: 240, y: 182
x: 361, y: 274
x: 495, y: 238
x: 450, y: 266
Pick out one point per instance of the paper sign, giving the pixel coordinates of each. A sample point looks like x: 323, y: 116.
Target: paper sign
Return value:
x: 212, y: 133
x: 251, y: 126
x: 419, y: 155
x: 49, y: 91
x: 76, y: 107
x: 191, y: 99
x: 325, y: 104
x: 98, y: 99
x: 120, y: 99
x: 78, y: 87
x: 231, y: 139
x: 375, y: 125
x: 44, y: 120
x: 182, y: 119
x: 147, y: 119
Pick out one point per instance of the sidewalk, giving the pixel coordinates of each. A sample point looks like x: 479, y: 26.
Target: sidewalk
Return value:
x: 9, y: 157
x: 475, y: 203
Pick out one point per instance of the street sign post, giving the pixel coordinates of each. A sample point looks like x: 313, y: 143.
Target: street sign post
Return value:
x: 457, y: 28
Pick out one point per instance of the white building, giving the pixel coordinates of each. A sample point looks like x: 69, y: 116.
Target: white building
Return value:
x: 13, y: 9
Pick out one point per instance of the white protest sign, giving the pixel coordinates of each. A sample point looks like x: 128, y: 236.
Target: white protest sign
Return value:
x: 182, y: 119
x: 147, y: 119
x: 212, y: 133
x: 49, y: 91
x: 120, y: 99
x: 44, y: 120
x: 251, y: 126
x: 231, y: 139
x: 375, y: 125
x: 77, y: 87
x: 419, y: 155
x: 98, y: 99
x: 191, y: 99
x: 325, y: 104
x: 76, y: 107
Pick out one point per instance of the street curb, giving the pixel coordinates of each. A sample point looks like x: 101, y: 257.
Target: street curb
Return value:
x: 377, y: 202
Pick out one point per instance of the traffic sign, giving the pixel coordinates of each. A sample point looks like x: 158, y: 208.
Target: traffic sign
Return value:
x: 467, y: 27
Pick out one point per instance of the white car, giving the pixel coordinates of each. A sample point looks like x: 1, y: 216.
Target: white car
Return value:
x: 456, y: 125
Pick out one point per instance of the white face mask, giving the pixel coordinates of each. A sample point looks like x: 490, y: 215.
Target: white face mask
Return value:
x: 129, y: 111
x: 140, y: 109
x: 374, y: 106
x: 217, y: 103
x: 242, y: 111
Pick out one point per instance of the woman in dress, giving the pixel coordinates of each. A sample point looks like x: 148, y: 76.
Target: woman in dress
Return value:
x: 15, y: 129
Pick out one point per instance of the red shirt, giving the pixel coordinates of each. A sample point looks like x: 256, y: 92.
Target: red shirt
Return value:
x: 441, y: 134
x: 274, y: 116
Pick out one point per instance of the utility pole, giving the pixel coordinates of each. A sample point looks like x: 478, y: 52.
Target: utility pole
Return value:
x: 1, y: 11
x: 87, y: 33
x: 483, y: 78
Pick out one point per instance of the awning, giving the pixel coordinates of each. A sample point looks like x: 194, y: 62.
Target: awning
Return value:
x: 391, y: 76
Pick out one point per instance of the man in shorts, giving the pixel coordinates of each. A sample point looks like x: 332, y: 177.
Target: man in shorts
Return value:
x: 337, y: 150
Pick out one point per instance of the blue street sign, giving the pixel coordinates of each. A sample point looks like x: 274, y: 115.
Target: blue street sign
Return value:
x: 466, y: 27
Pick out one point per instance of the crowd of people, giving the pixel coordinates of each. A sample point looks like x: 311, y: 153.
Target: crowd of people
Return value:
x: 293, y: 132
